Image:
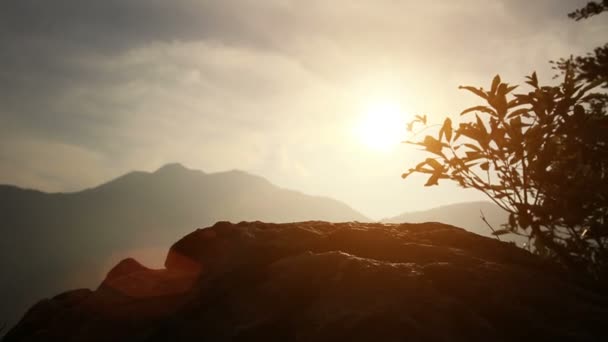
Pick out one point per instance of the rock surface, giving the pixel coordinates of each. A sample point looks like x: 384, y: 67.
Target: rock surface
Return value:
x: 318, y: 281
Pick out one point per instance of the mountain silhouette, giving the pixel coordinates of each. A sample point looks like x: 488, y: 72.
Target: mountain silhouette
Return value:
x: 53, y: 241
x: 466, y: 215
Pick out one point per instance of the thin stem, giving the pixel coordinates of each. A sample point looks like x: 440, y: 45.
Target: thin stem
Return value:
x: 483, y: 218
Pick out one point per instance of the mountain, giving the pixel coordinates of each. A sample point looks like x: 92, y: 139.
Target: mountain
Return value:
x: 320, y: 281
x: 466, y: 215
x: 67, y: 240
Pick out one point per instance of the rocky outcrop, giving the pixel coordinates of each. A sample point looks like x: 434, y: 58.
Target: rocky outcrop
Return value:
x: 318, y: 281
x: 54, y: 241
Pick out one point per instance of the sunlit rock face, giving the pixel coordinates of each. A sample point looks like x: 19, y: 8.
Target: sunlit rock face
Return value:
x: 318, y: 281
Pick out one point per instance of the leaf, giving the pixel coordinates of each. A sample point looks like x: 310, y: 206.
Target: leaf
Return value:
x: 485, y: 166
x: 433, y: 145
x: 479, y: 92
x: 433, y: 180
x: 479, y: 109
x: 495, y: 83
x: 481, y: 126
x: 590, y: 86
x: 532, y: 80
x: 511, y: 88
x: 473, y: 155
x: 422, y: 119
x: 524, y: 219
x: 513, y: 103
x: 434, y: 164
x: 501, y: 232
x: 502, y: 90
x: 471, y: 133
x: 447, y: 129
x: 518, y: 112
x: 512, y: 222
x: 499, y: 102
x: 410, y: 126
x: 516, y: 123
x: 498, y: 135
x: 473, y: 147
x: 420, y: 166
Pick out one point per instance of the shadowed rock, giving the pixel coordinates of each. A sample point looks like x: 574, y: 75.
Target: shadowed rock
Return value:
x: 318, y: 281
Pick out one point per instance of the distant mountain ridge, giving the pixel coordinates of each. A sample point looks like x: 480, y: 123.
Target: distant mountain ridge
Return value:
x: 52, y: 241
x: 465, y: 215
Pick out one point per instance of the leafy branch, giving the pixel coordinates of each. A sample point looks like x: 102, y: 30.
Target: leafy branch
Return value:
x: 535, y: 155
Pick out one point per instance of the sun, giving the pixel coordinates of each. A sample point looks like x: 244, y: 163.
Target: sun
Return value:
x: 382, y: 125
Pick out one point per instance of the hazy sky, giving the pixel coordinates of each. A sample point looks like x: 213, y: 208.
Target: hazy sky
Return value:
x: 90, y: 90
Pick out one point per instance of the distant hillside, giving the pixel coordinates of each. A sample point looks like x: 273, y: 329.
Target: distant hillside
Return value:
x: 466, y: 215
x: 56, y: 241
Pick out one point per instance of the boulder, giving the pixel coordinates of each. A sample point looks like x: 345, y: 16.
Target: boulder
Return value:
x: 319, y: 281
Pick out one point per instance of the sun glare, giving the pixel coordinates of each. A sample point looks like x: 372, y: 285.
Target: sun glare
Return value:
x: 382, y: 125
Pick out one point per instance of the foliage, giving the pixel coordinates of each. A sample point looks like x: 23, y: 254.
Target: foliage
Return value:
x: 592, y: 8
x: 593, y: 66
x: 542, y: 156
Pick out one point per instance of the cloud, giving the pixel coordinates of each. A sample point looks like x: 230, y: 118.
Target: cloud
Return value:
x: 267, y: 86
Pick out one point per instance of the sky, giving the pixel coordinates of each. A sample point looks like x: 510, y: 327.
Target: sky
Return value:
x: 90, y: 90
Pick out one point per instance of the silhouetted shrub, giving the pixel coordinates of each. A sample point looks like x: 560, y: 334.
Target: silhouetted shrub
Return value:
x: 541, y: 155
